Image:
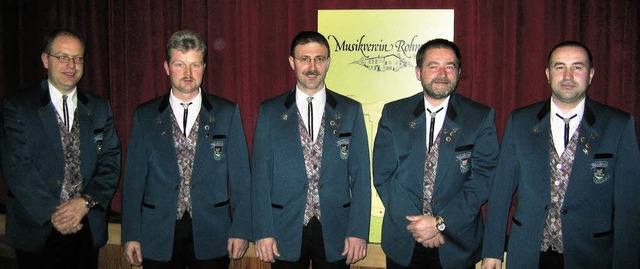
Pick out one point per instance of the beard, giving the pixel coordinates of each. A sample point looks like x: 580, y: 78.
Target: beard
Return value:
x: 442, y: 93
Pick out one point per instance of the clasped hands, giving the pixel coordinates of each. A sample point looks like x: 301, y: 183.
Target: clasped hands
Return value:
x: 423, y: 229
x: 355, y: 249
x: 67, y: 219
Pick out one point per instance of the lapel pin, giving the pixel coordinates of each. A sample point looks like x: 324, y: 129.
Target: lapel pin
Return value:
x: 536, y: 129
x: 413, y: 125
x: 285, y: 117
x: 212, y: 118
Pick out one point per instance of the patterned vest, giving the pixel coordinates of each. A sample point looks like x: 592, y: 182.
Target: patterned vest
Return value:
x: 561, y: 167
x: 430, y: 169
x: 72, y: 183
x: 186, y: 152
x: 313, y: 160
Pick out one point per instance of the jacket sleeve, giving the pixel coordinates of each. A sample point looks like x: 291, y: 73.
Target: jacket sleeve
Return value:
x: 104, y: 180
x: 360, y: 177
x: 24, y: 181
x: 239, y: 179
x: 464, y: 209
x: 261, y: 179
x: 135, y: 175
x: 626, y: 219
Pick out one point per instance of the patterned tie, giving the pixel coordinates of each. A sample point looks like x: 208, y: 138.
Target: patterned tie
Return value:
x: 430, y: 167
x: 184, y: 118
x: 432, y: 126
x: 566, y: 127
x: 65, y: 112
x: 310, y: 116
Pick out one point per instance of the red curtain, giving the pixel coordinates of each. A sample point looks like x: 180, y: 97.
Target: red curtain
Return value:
x: 504, y: 47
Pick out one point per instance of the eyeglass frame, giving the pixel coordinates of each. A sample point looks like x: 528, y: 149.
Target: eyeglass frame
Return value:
x: 317, y: 59
x: 74, y: 59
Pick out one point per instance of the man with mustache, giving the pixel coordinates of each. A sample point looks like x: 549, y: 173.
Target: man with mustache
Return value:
x: 187, y: 172
x: 311, y: 184
x: 575, y: 164
x: 433, y: 159
x: 61, y: 163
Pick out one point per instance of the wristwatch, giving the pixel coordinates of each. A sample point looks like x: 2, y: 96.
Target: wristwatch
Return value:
x: 88, y: 201
x: 440, y: 224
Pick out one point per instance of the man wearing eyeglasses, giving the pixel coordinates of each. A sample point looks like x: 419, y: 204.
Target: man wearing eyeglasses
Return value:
x: 311, y: 187
x: 61, y: 162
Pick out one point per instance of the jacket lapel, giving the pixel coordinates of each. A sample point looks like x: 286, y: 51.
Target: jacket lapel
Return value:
x: 162, y: 129
x: 448, y: 140
x: 49, y: 120
x: 418, y: 129
x: 206, y: 128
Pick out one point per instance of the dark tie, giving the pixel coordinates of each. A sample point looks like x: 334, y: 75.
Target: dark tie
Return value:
x: 310, y: 116
x: 432, y: 126
x: 566, y: 127
x: 184, y: 118
x: 65, y: 112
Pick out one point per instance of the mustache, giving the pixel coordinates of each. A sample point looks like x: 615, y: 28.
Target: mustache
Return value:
x: 312, y: 73
x: 440, y: 80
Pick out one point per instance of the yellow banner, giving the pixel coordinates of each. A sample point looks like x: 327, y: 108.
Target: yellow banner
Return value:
x: 373, y: 61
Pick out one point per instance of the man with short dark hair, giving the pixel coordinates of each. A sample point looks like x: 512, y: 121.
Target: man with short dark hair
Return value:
x: 575, y: 164
x: 433, y: 159
x: 311, y: 183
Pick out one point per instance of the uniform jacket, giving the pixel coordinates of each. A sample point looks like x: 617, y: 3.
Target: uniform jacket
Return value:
x: 33, y: 163
x: 467, y: 157
x: 279, y: 182
x: 152, y: 180
x: 600, y: 220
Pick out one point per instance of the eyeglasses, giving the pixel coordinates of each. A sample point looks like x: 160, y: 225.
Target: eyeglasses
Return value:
x: 65, y: 59
x: 318, y: 59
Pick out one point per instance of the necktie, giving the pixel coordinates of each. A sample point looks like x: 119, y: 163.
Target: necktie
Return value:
x: 184, y: 118
x: 65, y: 112
x: 566, y: 127
x: 310, y: 116
x: 432, y: 126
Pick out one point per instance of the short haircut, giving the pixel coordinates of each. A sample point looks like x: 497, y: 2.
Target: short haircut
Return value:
x: 307, y: 37
x: 438, y: 43
x: 49, y: 38
x: 571, y: 43
x: 184, y: 41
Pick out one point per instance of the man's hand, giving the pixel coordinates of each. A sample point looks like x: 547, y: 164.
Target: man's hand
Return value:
x: 355, y: 249
x: 434, y: 242
x: 68, y: 216
x: 266, y: 248
x: 133, y: 252
x: 237, y: 248
x: 491, y: 263
x: 422, y: 227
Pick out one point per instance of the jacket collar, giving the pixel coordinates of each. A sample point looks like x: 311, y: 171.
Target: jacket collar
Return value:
x: 588, y: 116
x: 451, y: 110
x: 290, y: 99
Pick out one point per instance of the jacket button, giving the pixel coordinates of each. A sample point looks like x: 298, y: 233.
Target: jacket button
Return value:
x: 320, y: 186
x: 177, y: 187
x: 306, y: 186
x: 546, y: 207
x: 193, y: 186
x: 564, y: 211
